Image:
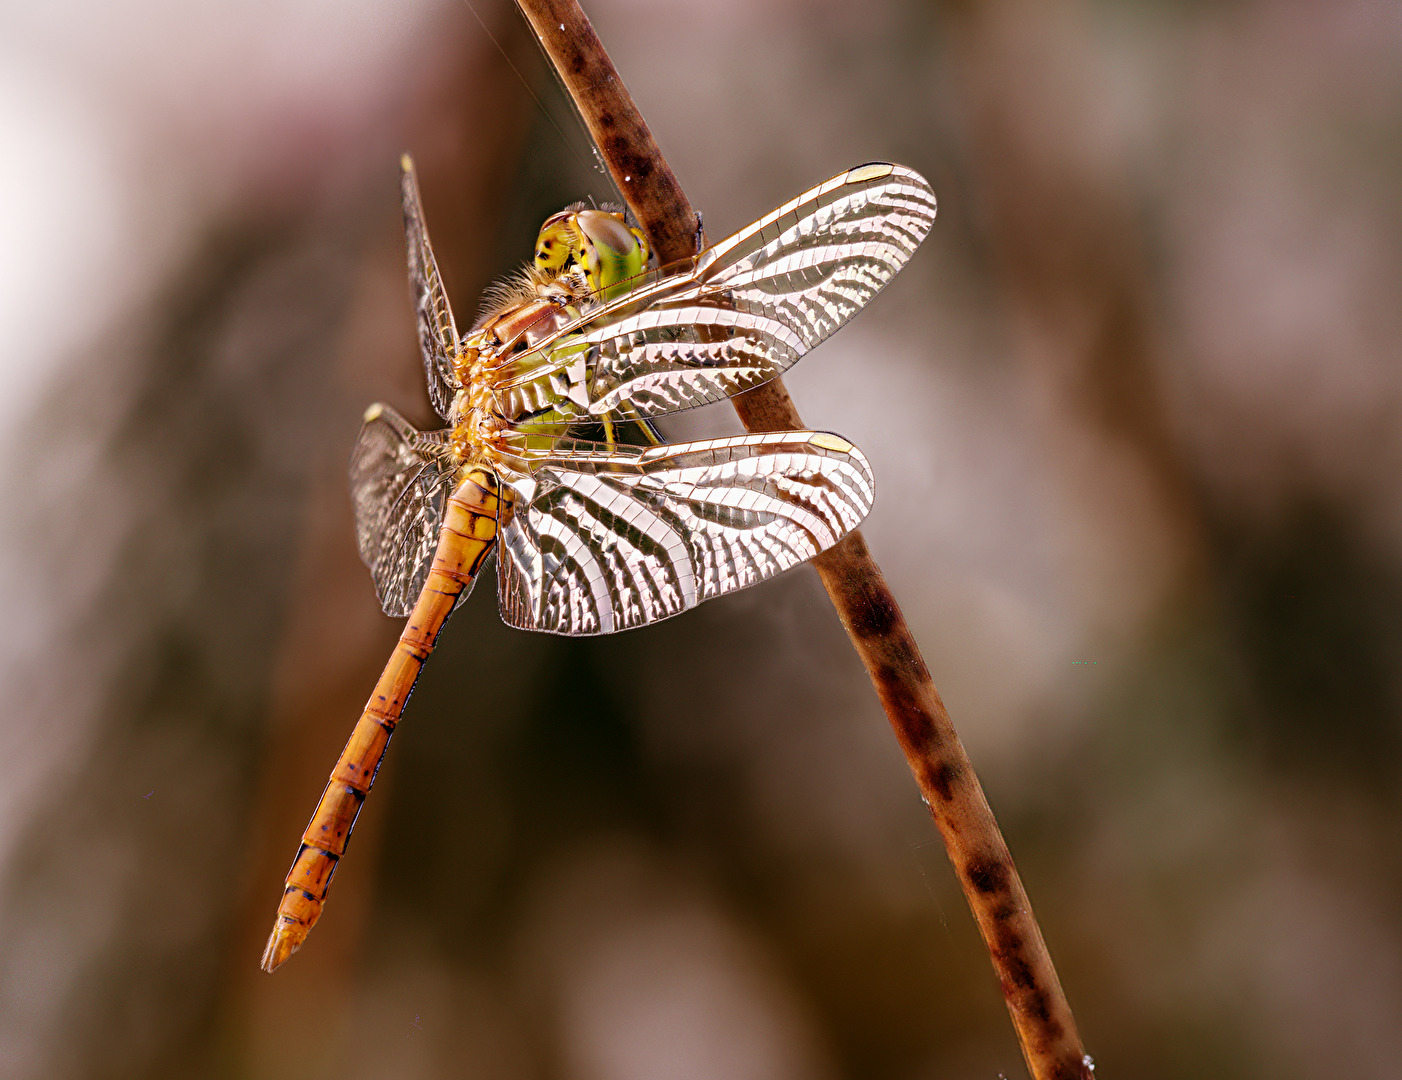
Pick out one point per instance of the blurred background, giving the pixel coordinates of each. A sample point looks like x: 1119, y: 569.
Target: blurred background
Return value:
x: 1135, y: 411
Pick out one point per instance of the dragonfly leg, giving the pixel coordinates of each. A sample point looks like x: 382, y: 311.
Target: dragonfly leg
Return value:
x: 648, y: 428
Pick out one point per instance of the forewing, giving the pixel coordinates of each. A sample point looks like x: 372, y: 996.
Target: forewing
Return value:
x: 400, y: 480
x: 438, y: 335
x: 601, y: 539
x: 744, y: 310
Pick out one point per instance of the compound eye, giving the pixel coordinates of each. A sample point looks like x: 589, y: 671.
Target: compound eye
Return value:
x: 557, y: 242
x: 605, y: 230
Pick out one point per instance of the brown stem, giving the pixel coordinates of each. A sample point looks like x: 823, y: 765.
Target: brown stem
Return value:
x: 1040, y: 1012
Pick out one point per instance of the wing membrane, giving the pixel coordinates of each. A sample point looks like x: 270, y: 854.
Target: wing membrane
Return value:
x: 743, y: 311
x: 438, y: 335
x: 400, y: 481
x: 601, y: 539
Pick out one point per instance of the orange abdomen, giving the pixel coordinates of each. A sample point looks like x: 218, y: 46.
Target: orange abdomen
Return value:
x: 467, y: 534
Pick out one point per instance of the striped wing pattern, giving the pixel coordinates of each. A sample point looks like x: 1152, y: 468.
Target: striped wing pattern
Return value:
x: 749, y: 307
x: 601, y: 539
x: 438, y: 335
x: 400, y: 480
x: 608, y: 537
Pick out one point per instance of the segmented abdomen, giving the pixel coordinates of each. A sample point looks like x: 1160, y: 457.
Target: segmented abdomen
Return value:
x: 466, y: 536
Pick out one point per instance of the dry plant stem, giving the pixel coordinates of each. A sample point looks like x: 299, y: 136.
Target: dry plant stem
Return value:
x: 1040, y: 1013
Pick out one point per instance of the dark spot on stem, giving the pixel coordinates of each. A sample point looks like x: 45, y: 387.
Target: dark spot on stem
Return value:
x: 1015, y: 973
x: 1066, y: 1070
x: 907, y: 714
x: 902, y: 653
x: 987, y: 875
x: 1036, y: 1006
x: 872, y: 614
x: 1018, y: 973
x: 941, y: 779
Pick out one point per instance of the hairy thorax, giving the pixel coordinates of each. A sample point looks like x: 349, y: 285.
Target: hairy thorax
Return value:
x: 493, y: 360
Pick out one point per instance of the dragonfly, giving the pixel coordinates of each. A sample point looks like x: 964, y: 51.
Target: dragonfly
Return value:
x: 549, y: 456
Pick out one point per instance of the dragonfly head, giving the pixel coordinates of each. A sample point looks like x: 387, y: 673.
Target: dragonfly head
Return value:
x: 598, y: 244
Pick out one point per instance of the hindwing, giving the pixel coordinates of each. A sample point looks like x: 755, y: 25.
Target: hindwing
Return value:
x: 400, y: 480
x: 600, y: 539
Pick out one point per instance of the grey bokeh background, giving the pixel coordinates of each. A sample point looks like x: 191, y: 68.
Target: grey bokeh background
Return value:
x: 1133, y: 411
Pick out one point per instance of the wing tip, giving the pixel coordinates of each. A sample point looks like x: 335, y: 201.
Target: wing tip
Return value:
x: 880, y: 170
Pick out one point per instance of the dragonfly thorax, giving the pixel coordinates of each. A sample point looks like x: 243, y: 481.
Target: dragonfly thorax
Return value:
x: 522, y: 327
x: 476, y: 424
x: 583, y: 257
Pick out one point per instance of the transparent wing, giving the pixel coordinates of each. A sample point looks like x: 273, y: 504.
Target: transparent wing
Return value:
x: 438, y: 336
x: 400, y: 480
x: 602, y: 538
x: 738, y: 314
